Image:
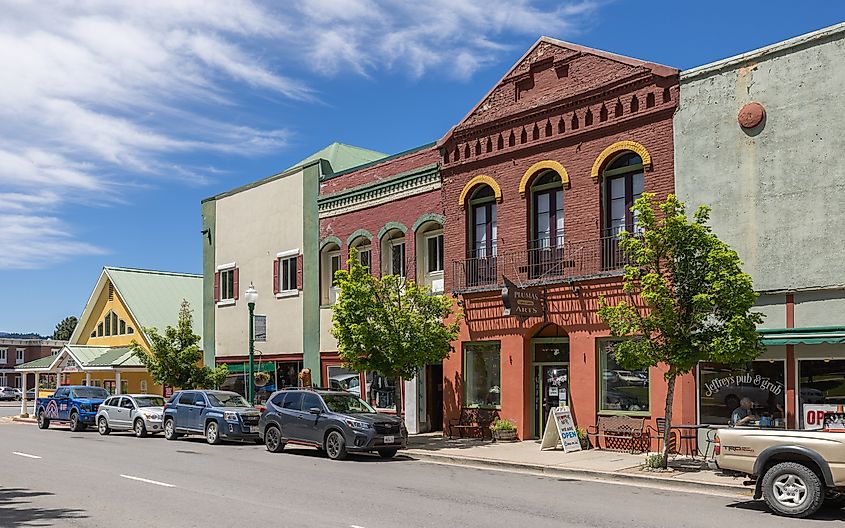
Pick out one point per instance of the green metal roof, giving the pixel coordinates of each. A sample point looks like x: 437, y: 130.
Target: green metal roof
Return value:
x: 154, y: 297
x: 342, y: 156
x: 41, y: 363
x: 115, y: 357
x: 91, y: 356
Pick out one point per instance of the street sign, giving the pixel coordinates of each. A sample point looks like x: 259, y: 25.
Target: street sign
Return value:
x: 560, y: 430
x: 522, y: 302
x: 260, y: 328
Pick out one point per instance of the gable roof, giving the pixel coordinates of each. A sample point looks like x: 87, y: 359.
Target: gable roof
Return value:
x: 342, y: 157
x: 152, y: 297
x: 87, y: 356
x: 657, y: 69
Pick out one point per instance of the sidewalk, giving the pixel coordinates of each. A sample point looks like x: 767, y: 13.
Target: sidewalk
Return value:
x: 685, y: 474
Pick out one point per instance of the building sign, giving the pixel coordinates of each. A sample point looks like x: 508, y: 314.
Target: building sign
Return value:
x: 560, y: 429
x: 260, y: 328
x: 68, y: 364
x: 749, y: 380
x: 522, y: 302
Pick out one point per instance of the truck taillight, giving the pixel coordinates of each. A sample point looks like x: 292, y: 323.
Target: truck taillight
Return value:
x: 717, y: 446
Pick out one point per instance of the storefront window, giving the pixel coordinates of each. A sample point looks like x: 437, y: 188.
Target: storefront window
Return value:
x: 820, y: 383
x: 287, y: 373
x: 621, y: 390
x: 722, y: 388
x: 482, y: 375
x: 381, y: 391
x: 341, y: 378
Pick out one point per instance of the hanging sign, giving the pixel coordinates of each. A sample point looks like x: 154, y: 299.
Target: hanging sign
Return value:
x: 260, y: 329
x: 521, y: 302
x: 560, y: 430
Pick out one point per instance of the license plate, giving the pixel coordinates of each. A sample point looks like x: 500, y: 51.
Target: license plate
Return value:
x: 388, y: 439
x: 248, y: 429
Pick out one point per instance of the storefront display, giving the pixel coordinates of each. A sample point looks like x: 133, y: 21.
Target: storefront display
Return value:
x: 621, y: 390
x: 482, y: 375
x: 722, y: 389
x: 821, y: 385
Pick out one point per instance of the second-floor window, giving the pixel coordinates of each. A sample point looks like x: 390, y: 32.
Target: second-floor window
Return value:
x: 2, y: 355
x: 547, y: 207
x: 483, y: 231
x: 287, y: 274
x: 227, y: 285
x: 393, y: 253
x: 20, y: 356
x: 623, y: 185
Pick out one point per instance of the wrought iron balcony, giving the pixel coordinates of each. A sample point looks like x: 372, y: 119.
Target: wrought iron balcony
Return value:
x: 540, y: 261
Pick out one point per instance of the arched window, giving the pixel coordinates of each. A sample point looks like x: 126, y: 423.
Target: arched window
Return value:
x: 393, y: 253
x: 330, y: 263
x: 429, y: 244
x: 547, y: 210
x: 483, y: 231
x: 364, y: 249
x: 623, y: 185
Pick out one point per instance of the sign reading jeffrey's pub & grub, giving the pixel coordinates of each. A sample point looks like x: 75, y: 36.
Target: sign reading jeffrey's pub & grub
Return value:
x: 522, y: 302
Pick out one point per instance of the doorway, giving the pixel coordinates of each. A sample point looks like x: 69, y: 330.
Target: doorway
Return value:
x: 434, y: 396
x: 550, y: 361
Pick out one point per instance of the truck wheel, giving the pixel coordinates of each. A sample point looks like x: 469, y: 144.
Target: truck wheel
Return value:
x: 76, y: 424
x: 139, y: 428
x: 212, y: 433
x: 170, y: 430
x: 43, y: 421
x: 792, y: 490
x: 103, y: 426
x: 335, y: 446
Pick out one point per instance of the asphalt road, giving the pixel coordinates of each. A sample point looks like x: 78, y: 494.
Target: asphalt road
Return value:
x: 8, y: 408
x: 59, y: 478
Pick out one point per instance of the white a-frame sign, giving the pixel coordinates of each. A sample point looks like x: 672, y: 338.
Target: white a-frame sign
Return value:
x: 560, y: 430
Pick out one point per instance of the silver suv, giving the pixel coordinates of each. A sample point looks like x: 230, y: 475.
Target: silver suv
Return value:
x: 140, y: 413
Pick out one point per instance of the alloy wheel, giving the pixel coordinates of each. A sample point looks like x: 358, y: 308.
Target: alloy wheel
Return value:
x: 333, y: 445
x: 273, y: 437
x: 211, y: 433
x: 790, y: 490
x: 102, y: 426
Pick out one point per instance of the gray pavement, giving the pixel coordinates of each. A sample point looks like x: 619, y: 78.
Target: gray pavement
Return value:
x: 8, y: 408
x: 83, y: 479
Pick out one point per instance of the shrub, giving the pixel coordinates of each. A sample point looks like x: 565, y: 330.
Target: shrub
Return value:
x: 582, y: 437
x: 654, y: 461
x: 503, y: 425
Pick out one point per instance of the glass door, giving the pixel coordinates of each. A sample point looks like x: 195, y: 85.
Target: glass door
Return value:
x: 551, y: 389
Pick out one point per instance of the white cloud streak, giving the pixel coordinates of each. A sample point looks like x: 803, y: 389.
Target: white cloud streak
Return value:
x: 92, y: 89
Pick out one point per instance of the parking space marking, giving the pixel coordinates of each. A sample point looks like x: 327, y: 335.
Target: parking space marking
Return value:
x: 148, y: 481
x: 355, y: 526
x: 25, y: 455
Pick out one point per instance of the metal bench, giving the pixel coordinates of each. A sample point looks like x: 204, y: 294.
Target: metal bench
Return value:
x: 620, y: 433
x: 471, y: 420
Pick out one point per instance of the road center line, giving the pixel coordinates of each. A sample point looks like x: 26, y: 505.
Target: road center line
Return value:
x: 25, y: 455
x: 355, y: 526
x: 148, y: 481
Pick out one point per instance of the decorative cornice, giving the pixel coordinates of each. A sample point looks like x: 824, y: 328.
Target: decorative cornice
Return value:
x: 410, y: 183
x: 541, y: 165
x: 617, y: 147
x: 361, y: 233
x: 390, y: 226
x: 479, y: 180
x: 428, y: 217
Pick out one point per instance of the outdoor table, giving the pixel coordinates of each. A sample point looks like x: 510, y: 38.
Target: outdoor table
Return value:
x: 689, y: 432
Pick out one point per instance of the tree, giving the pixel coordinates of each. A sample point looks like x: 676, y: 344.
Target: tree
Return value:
x: 65, y: 328
x: 175, y: 357
x: 389, y: 325
x: 695, y: 301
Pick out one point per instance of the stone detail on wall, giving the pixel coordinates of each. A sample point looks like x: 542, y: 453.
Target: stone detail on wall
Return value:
x: 542, y: 165
x: 620, y: 146
x: 479, y: 180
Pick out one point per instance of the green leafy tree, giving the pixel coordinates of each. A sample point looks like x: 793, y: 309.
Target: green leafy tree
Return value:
x: 175, y: 358
x: 389, y: 325
x: 688, y: 299
x: 65, y: 328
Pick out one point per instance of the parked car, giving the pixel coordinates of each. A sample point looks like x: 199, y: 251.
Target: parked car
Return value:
x: 218, y: 415
x: 140, y: 413
x: 18, y: 394
x: 7, y: 394
x: 335, y: 421
x: 75, y: 405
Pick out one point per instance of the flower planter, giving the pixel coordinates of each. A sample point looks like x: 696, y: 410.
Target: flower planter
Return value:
x: 505, y: 435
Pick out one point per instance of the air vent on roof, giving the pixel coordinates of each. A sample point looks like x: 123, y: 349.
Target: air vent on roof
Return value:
x: 111, y: 292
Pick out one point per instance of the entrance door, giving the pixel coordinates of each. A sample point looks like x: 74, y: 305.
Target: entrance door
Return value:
x: 551, y: 389
x: 434, y: 396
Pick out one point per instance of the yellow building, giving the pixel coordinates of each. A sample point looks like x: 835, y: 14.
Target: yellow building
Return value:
x: 124, y: 302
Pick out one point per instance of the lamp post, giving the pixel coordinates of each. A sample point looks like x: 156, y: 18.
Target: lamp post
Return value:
x: 251, y: 296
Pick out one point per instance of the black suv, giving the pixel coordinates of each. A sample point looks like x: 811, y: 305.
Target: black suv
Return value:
x: 335, y: 421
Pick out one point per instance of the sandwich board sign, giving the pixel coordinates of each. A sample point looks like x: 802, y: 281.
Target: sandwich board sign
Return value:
x: 560, y: 430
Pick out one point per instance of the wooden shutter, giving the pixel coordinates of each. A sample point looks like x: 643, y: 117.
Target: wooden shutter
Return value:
x: 299, y: 271
x: 235, y: 286
x: 276, y: 287
x: 216, y: 286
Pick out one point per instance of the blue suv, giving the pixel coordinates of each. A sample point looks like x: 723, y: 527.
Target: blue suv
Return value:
x: 336, y: 422
x: 218, y: 415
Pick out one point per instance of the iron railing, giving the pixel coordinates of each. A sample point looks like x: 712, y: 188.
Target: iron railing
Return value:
x: 543, y: 260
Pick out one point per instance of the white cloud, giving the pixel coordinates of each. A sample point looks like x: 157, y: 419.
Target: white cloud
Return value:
x: 93, y: 89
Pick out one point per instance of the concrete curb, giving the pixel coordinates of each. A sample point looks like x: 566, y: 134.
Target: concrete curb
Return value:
x: 24, y: 420
x: 672, y: 484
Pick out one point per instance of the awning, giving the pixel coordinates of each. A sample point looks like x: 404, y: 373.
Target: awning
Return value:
x: 803, y: 336
x: 237, y: 368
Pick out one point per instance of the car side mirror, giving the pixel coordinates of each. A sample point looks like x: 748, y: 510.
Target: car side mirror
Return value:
x: 315, y: 410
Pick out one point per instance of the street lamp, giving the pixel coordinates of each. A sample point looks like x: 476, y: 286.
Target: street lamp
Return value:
x: 251, y: 295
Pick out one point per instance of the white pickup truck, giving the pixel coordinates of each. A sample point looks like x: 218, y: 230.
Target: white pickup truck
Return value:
x: 795, y: 472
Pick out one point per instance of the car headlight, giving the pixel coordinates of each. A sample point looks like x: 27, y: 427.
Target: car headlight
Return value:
x: 151, y: 416
x: 355, y: 424
x: 230, y: 416
x: 85, y: 406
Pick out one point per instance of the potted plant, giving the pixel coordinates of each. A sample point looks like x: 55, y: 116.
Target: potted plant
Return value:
x: 261, y: 378
x: 504, y: 430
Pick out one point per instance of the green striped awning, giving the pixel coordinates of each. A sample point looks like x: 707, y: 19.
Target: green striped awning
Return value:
x: 803, y: 336
x: 237, y: 368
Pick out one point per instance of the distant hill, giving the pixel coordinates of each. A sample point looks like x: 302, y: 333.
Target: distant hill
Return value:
x: 17, y: 335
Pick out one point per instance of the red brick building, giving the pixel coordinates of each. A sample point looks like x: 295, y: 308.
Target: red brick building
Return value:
x: 538, y: 180
x: 391, y: 212
x: 15, y: 352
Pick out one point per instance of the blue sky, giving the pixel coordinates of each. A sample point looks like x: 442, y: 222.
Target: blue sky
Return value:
x: 117, y: 119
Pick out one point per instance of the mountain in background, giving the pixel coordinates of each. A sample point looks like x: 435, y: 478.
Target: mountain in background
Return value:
x: 17, y: 335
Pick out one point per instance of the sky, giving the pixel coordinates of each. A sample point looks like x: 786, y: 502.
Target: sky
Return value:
x: 117, y: 118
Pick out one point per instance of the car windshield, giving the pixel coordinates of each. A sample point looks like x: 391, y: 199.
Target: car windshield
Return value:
x: 149, y: 401
x: 90, y: 392
x: 340, y: 403
x: 226, y: 399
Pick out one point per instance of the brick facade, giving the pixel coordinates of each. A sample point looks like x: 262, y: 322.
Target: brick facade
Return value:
x: 33, y: 349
